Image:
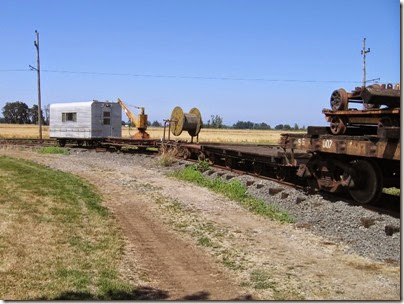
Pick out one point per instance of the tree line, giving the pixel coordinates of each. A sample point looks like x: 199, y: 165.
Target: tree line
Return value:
x: 216, y: 122
x: 18, y: 112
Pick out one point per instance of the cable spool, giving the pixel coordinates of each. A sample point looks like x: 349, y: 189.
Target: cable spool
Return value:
x: 180, y: 121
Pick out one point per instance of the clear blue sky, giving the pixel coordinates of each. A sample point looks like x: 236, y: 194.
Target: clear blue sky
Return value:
x: 271, y: 39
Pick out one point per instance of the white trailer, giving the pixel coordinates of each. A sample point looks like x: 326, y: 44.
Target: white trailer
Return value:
x: 85, y: 121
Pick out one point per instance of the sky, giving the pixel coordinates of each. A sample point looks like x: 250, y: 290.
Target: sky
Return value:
x: 273, y: 61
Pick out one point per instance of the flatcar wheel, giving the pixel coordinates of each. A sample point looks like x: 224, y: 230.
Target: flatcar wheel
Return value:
x: 229, y: 163
x: 80, y: 143
x: 201, y: 157
x: 339, y: 100
x: 337, y: 125
x: 258, y: 168
x: 367, y: 182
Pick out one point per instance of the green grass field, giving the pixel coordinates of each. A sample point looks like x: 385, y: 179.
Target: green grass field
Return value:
x: 56, y: 239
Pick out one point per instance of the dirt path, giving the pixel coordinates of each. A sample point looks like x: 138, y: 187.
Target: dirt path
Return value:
x: 195, y: 244
x: 172, y: 263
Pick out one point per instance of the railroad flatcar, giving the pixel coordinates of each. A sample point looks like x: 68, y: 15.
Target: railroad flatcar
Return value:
x: 85, y: 121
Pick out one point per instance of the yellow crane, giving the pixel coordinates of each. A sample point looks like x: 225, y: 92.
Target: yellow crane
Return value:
x: 140, y: 122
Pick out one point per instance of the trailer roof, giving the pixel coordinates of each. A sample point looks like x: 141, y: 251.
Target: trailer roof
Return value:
x: 77, y: 104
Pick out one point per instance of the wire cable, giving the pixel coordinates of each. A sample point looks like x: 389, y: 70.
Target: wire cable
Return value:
x: 184, y: 76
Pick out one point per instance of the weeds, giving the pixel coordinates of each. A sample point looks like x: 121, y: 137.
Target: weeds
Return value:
x: 53, y: 150
x: 166, y: 157
x: 205, y: 241
x: 260, y: 279
x: 234, y: 190
x: 202, y: 166
x: 392, y: 191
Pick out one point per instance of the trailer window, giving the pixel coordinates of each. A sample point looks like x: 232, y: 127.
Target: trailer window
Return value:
x: 72, y: 116
x: 106, y: 118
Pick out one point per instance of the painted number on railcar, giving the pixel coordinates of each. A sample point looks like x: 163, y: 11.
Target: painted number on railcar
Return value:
x: 301, y: 141
x: 327, y: 143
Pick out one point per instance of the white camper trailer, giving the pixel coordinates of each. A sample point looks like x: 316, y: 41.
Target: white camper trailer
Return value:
x: 84, y: 121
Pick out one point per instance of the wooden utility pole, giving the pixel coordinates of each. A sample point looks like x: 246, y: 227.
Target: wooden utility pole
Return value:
x: 364, y: 52
x: 38, y: 70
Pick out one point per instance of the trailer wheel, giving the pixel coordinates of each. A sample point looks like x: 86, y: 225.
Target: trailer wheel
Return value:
x: 62, y: 142
x: 337, y: 125
x: 367, y: 181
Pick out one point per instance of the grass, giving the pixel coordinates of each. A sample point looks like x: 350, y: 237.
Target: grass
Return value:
x: 392, y: 191
x: 206, y: 135
x: 205, y: 241
x: 260, y: 279
x: 53, y: 150
x: 234, y: 190
x: 56, y: 239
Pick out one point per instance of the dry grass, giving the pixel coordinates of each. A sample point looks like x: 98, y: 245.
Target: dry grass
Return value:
x: 206, y: 135
x: 166, y: 157
x: 22, y: 131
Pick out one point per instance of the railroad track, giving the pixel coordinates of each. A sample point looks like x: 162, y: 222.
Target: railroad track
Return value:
x: 28, y: 141
x: 241, y: 172
x: 392, y: 205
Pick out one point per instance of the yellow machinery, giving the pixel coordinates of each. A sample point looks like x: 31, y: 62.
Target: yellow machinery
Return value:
x: 140, y: 122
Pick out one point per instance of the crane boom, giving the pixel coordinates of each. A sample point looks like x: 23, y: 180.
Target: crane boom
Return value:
x: 128, y: 113
x: 140, y: 122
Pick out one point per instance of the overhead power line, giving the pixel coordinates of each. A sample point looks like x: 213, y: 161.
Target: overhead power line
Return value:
x: 184, y: 76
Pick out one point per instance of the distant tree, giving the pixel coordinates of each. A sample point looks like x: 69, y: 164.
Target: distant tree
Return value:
x: 156, y: 124
x: 148, y: 123
x: 33, y: 114
x: 287, y: 127
x: 46, y: 111
x: 2, y: 120
x: 262, y: 126
x: 216, y: 121
x: 123, y: 123
x: 243, y: 125
x: 279, y: 127
x: 16, y: 112
x: 296, y: 127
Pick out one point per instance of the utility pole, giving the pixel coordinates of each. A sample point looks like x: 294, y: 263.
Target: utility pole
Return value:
x: 364, y: 52
x: 38, y: 70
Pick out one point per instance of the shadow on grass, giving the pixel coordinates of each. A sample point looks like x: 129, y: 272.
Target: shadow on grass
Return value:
x: 141, y: 293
